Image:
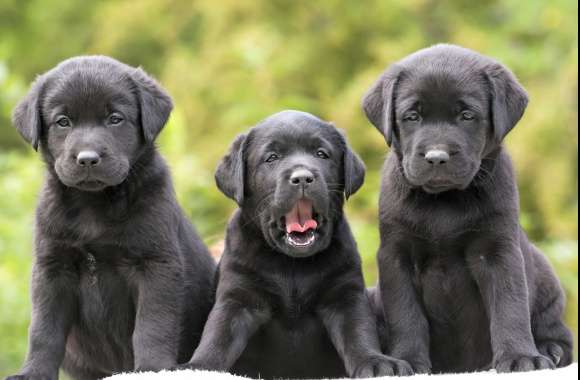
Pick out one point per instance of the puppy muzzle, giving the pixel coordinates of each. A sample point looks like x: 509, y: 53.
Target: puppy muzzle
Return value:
x: 300, y: 210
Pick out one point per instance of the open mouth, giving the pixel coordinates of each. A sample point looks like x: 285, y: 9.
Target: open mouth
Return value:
x: 301, y: 224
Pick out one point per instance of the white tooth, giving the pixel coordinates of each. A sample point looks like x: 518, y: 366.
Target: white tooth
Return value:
x: 299, y: 244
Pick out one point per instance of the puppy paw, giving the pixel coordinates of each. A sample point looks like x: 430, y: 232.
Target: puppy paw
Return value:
x: 553, y: 351
x: 523, y: 363
x: 381, y: 365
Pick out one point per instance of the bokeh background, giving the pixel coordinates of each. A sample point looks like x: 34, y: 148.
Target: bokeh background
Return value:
x: 230, y: 63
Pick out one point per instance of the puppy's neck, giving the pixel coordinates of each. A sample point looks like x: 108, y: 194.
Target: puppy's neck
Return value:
x: 249, y: 224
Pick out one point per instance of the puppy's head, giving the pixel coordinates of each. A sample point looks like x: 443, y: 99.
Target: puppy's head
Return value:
x: 444, y: 110
x: 91, y: 117
x: 290, y: 175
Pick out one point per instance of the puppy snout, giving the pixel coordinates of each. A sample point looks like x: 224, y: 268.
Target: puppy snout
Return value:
x: 436, y: 157
x: 301, y: 177
x: 88, y: 158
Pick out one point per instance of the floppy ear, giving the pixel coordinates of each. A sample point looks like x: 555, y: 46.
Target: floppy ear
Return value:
x: 379, y: 103
x: 354, y: 169
x: 229, y: 175
x: 508, y: 100
x: 154, y: 103
x: 26, y: 116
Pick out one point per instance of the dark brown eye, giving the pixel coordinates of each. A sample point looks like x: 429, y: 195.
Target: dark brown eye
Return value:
x: 320, y: 153
x: 412, y: 116
x: 272, y: 157
x: 63, y: 122
x: 115, y: 119
x: 467, y: 115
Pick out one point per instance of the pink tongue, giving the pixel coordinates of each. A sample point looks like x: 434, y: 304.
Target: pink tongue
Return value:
x: 299, y: 219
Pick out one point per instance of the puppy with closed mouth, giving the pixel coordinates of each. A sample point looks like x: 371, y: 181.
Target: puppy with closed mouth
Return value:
x: 121, y: 281
x: 290, y: 298
x: 461, y: 287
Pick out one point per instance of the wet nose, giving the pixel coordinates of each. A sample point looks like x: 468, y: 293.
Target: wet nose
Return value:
x: 301, y: 177
x: 88, y: 158
x: 437, y: 157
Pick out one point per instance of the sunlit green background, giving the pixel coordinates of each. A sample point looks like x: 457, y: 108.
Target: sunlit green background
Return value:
x: 229, y: 63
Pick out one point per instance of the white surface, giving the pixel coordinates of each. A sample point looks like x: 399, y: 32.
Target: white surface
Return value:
x: 568, y: 373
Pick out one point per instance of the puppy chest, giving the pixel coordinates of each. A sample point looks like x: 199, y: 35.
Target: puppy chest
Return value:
x: 105, y: 294
x: 449, y: 292
x: 105, y: 318
x: 298, y: 342
x: 295, y: 301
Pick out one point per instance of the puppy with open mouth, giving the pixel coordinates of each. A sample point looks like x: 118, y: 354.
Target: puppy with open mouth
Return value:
x: 290, y: 299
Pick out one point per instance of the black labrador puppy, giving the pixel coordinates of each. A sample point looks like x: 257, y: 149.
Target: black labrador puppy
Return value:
x: 290, y: 298
x: 461, y: 287
x: 121, y: 281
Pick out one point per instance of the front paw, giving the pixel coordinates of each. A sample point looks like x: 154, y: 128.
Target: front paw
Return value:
x: 555, y: 352
x: 381, y: 365
x: 523, y: 363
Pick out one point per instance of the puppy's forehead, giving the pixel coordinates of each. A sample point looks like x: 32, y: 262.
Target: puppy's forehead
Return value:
x: 443, y: 73
x: 441, y: 88
x: 294, y: 127
x: 87, y: 82
x: 446, y: 59
x: 292, y: 117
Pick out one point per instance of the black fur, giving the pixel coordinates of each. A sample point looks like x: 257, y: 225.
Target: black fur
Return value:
x: 461, y: 287
x: 282, y: 311
x: 121, y: 281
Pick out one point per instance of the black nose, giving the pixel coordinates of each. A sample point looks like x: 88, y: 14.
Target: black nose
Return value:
x: 437, y: 157
x: 302, y: 177
x: 88, y: 158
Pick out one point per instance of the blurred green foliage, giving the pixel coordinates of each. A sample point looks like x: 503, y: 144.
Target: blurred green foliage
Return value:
x: 230, y: 63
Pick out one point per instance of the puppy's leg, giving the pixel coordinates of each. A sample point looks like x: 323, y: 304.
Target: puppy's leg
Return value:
x: 551, y: 335
x: 230, y: 325
x: 499, y: 270
x: 53, y: 307
x: 374, y: 297
x: 407, y: 326
x: 348, y: 318
x: 159, y: 314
